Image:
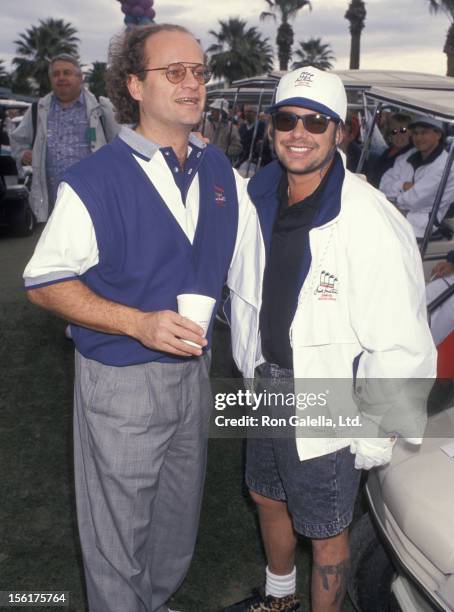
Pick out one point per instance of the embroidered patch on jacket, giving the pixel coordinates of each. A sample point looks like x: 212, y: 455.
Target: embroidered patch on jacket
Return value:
x: 219, y: 196
x: 327, y: 287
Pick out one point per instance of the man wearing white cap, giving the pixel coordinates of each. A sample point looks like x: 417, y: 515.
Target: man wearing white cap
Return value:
x: 220, y: 131
x: 342, y: 302
x: 413, y: 181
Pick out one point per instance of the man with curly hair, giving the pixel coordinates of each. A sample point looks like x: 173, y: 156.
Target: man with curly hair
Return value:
x: 154, y: 214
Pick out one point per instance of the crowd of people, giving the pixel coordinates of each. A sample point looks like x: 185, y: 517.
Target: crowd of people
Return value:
x: 408, y: 170
x: 70, y: 123
x: 140, y: 214
x: 240, y: 133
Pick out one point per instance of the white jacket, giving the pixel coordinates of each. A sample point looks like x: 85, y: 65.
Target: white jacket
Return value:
x: 378, y: 310
x: 418, y: 200
x: 21, y: 140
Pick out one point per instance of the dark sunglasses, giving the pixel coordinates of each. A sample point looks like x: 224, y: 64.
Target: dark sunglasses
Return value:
x: 402, y: 130
x: 316, y: 123
x: 176, y: 73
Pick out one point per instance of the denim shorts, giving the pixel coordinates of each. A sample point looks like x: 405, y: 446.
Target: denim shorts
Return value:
x: 320, y: 492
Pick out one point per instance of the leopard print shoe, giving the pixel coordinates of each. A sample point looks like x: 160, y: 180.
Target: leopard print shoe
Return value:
x: 290, y: 603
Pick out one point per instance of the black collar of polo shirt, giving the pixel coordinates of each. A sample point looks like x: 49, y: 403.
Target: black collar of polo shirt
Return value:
x: 417, y: 161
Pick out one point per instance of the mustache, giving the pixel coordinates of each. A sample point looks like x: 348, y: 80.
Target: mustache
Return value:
x: 300, y: 143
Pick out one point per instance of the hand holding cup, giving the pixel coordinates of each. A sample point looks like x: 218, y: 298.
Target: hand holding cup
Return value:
x: 197, y: 308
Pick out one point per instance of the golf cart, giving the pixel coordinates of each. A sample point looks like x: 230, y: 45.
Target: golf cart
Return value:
x: 439, y: 104
x: 260, y: 90
x: 15, y: 211
x: 402, y: 549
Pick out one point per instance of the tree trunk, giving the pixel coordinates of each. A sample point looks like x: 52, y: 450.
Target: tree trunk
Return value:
x: 450, y: 64
x: 356, y: 15
x: 284, y: 41
x: 283, y: 64
x: 355, y: 50
x: 449, y: 50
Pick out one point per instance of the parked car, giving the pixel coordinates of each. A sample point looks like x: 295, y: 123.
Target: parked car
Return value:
x: 15, y: 211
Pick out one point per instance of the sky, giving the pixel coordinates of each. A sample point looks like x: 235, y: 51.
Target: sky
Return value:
x: 399, y: 34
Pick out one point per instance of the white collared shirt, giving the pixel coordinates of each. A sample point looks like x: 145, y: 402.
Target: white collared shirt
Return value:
x: 68, y: 246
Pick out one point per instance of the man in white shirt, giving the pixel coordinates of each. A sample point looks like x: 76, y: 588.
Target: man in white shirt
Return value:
x: 341, y: 311
x: 413, y: 181
x: 154, y: 214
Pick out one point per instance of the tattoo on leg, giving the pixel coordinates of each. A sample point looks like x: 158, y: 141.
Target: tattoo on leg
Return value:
x: 340, y: 572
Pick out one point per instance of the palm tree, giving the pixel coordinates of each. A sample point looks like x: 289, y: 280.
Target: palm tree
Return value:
x: 37, y: 45
x: 21, y: 84
x: 356, y: 15
x: 446, y: 6
x: 96, y: 79
x: 239, y: 51
x: 284, y: 39
x: 313, y: 53
x: 5, y: 77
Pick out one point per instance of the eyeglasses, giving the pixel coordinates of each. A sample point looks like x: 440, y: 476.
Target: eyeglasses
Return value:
x: 176, y: 73
x: 316, y: 123
x: 402, y: 130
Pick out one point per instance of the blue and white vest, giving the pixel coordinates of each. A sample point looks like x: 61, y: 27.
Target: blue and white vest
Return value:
x: 145, y: 258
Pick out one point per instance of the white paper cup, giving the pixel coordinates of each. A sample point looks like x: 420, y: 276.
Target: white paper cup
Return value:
x: 198, y: 308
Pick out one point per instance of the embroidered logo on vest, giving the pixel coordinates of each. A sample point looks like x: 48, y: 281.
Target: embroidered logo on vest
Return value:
x: 327, y: 288
x: 219, y: 196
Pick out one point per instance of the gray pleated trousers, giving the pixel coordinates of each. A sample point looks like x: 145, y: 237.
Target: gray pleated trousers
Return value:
x: 140, y: 440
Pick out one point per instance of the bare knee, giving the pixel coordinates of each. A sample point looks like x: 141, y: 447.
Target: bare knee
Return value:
x: 266, y: 502
x: 334, y: 548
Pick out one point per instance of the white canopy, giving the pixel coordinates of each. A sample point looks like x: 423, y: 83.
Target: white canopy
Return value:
x: 247, y: 95
x: 364, y: 79
x: 438, y: 103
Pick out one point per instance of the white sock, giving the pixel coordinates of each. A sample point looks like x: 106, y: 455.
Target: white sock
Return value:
x: 280, y: 586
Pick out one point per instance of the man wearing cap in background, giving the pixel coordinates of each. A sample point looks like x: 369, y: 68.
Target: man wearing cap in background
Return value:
x: 65, y: 126
x: 413, y: 181
x: 253, y: 133
x: 342, y: 298
x: 220, y: 131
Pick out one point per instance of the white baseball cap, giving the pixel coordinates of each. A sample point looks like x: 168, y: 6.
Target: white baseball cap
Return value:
x: 220, y: 104
x: 427, y: 121
x: 314, y: 89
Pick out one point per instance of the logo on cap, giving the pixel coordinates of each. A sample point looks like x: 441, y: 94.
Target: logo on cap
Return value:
x: 305, y: 78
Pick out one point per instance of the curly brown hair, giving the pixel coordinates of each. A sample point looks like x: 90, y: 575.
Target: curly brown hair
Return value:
x: 127, y: 56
